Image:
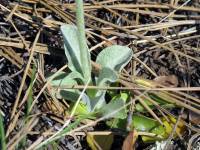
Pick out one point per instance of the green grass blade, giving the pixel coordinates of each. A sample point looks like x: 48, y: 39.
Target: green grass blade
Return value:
x: 2, y: 134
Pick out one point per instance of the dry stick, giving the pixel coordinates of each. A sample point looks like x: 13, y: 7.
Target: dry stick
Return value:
x: 142, y: 102
x: 6, y: 54
x: 129, y: 88
x: 102, y: 43
x: 16, y: 136
x: 177, y: 102
x: 167, y: 37
x: 176, y: 57
x: 154, y: 26
x: 40, y: 48
x: 71, y: 115
x: 56, y: 102
x: 141, y: 36
x: 149, y: 69
x: 24, y: 132
x: 12, y: 12
x: 171, y: 16
x: 154, y: 103
x: 131, y: 6
x: 26, y: 46
x: 184, y: 99
x: 29, y: 9
x: 179, y: 117
x: 187, y: 96
x: 168, y: 113
x: 181, y: 93
x: 137, y: 88
x: 185, y: 123
x: 27, y: 92
x: 177, y: 40
x: 46, y: 84
x: 23, y: 40
x: 10, y: 20
x: 172, y: 13
x: 16, y: 14
x: 12, y: 124
x: 112, y: 11
x: 21, y: 16
x: 173, y: 131
x: 153, y: 13
x: 108, y: 1
x: 175, y: 90
x: 102, y: 37
x: 150, y: 110
x: 61, y: 13
x: 25, y: 74
x: 170, y: 23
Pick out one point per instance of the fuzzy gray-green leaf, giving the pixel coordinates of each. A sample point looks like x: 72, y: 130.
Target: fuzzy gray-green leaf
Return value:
x: 76, y: 61
x: 64, y: 79
x: 114, y: 57
x: 109, y: 109
x: 71, y: 46
x: 106, y: 76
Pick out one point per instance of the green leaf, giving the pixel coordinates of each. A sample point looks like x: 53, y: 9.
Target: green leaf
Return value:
x: 98, y: 101
x: 117, y: 123
x: 111, y: 107
x: 71, y: 45
x: 143, y: 123
x: 71, y: 95
x: 106, y: 76
x: 76, y: 62
x: 2, y: 134
x: 81, y: 109
x: 69, y: 80
x: 64, y: 78
x: 97, y: 97
x: 123, y: 95
x: 114, y: 57
x: 139, y: 122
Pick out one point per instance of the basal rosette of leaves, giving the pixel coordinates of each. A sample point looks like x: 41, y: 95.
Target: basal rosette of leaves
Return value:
x: 111, y: 59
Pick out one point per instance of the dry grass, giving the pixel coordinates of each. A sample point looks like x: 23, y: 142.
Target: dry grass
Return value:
x: 163, y: 35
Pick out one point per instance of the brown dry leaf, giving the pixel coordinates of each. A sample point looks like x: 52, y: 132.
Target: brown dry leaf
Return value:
x: 168, y: 81
x: 194, y: 118
x: 130, y: 140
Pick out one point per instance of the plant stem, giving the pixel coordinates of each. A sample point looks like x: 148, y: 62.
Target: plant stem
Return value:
x: 2, y: 134
x: 82, y: 39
